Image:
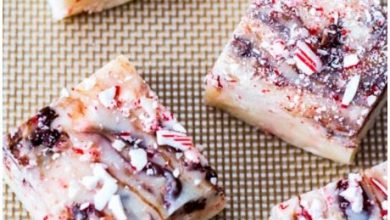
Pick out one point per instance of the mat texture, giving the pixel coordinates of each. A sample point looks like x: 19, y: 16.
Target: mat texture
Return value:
x: 173, y: 44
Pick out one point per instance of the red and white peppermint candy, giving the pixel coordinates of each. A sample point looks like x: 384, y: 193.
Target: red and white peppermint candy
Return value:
x: 181, y: 142
x: 350, y: 90
x: 175, y: 139
x: 350, y: 60
x: 306, y: 60
x: 379, y: 186
x: 174, y: 126
x: 109, y: 97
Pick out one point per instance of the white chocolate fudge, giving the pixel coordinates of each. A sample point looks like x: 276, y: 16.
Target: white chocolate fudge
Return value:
x: 65, y: 8
x: 108, y: 149
x: 361, y: 196
x: 312, y: 72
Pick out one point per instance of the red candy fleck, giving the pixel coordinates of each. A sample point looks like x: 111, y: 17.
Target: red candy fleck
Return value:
x: 78, y: 150
x: 219, y: 84
x: 336, y: 98
x: 137, y: 103
x: 116, y: 97
x: 124, y: 133
x: 33, y: 120
x: 313, y: 31
x: 344, y: 32
x: 305, y: 214
x: 283, y: 206
x: 378, y: 185
x: 306, y: 60
x: 95, y: 154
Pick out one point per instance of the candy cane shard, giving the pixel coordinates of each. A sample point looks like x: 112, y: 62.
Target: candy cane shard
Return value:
x: 65, y: 8
x: 313, y: 73
x: 109, y: 150
x: 355, y: 197
x: 306, y: 60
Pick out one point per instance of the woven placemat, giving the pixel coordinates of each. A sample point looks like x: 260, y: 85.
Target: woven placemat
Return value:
x: 173, y: 44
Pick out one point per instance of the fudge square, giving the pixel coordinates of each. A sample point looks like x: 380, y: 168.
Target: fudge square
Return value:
x: 312, y: 72
x: 65, y: 8
x: 108, y: 150
x: 362, y: 195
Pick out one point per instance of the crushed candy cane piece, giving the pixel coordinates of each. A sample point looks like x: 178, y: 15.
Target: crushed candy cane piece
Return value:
x: 73, y: 190
x: 350, y: 90
x: 99, y: 170
x: 107, y: 97
x: 350, y: 60
x: 174, y: 126
x: 138, y: 158
x: 84, y: 205
x: 306, y: 60
x: 118, y: 144
x: 103, y: 196
x: 192, y: 155
x: 175, y: 139
x: 354, y: 193
x: 213, y: 180
x: 89, y: 182
x: 109, y: 188
x: 197, y: 181
x: 176, y: 173
x: 277, y: 49
x: 378, y: 185
x: 55, y: 156
x: 371, y: 100
x: 115, y: 205
x: 149, y: 172
x: 89, y: 83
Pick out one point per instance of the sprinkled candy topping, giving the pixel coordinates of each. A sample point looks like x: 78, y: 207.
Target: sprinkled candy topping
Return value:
x: 118, y: 144
x: 138, y: 158
x: 90, y: 182
x: 354, y: 193
x: 181, y: 142
x: 306, y: 60
x: 107, y: 97
x: 379, y: 186
x: 115, y: 205
x: 104, y: 194
x: 174, y: 126
x: 350, y: 90
x: 351, y: 60
x: 177, y: 140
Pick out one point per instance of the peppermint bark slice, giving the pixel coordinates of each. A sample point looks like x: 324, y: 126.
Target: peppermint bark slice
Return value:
x: 65, y: 8
x: 313, y: 73
x: 360, y: 196
x: 108, y: 148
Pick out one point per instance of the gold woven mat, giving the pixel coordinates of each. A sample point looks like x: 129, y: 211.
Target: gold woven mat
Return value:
x: 173, y: 44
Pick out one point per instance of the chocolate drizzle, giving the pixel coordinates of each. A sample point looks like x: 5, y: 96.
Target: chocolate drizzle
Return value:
x: 194, y: 205
x: 86, y: 213
x: 242, y: 47
x: 344, y: 204
x: 173, y: 185
x: 43, y: 134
